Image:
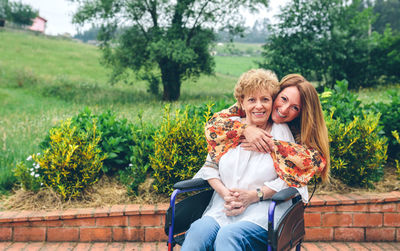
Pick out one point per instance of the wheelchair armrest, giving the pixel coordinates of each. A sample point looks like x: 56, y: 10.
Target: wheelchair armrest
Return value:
x: 191, y: 184
x: 284, y: 195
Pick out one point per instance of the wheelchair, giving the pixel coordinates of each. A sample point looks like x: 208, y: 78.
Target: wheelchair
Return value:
x: 285, y: 234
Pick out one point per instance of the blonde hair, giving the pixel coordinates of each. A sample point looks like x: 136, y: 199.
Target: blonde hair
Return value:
x: 256, y: 79
x: 313, y: 131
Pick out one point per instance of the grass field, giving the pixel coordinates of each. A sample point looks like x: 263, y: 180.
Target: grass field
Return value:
x: 44, y: 80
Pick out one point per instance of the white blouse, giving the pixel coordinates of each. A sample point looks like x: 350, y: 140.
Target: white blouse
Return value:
x: 249, y: 170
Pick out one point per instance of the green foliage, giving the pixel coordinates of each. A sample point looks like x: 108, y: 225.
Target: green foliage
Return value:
x: 179, y: 149
x: 172, y: 37
x: 20, y: 13
x: 325, y: 40
x: 116, y: 137
x: 390, y: 120
x: 3, y: 10
x: 141, y: 150
x: 358, y: 152
x: 28, y: 177
x: 340, y: 100
x: 388, y: 12
x: 73, y: 160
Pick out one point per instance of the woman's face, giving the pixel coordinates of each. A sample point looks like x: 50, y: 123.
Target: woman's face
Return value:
x: 258, y: 107
x: 287, y: 105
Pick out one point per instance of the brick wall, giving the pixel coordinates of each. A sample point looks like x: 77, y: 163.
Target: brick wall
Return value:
x: 328, y: 218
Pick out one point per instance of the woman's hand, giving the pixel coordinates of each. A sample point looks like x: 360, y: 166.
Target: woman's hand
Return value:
x: 238, y: 200
x: 257, y: 139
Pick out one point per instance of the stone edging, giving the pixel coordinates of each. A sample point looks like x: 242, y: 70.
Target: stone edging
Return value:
x: 349, y: 217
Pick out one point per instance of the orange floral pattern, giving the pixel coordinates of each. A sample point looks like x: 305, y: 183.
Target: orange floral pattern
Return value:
x: 294, y: 163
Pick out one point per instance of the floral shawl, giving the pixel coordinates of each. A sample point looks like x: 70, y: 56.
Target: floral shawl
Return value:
x: 294, y: 163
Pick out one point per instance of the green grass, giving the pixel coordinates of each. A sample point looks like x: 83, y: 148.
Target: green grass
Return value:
x: 235, y: 65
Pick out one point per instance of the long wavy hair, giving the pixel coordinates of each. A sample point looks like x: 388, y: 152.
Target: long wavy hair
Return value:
x: 310, y: 125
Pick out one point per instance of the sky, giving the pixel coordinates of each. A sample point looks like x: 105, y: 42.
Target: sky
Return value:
x: 58, y: 14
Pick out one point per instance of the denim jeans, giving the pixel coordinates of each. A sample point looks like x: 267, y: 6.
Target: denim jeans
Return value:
x: 205, y: 234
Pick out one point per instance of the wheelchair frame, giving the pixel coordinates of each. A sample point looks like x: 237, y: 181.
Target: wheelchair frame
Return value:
x: 289, y: 232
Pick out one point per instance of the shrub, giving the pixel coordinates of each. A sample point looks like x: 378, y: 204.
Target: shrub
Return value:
x: 141, y: 150
x: 390, y: 120
x: 179, y: 148
x: 72, y: 161
x: 358, y: 152
x: 28, y: 177
x: 342, y: 101
x: 116, y: 137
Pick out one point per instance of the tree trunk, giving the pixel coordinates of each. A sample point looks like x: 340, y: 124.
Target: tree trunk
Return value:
x: 171, y: 80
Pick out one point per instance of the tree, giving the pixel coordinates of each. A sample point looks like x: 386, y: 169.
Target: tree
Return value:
x: 325, y: 40
x: 163, y: 41
x: 388, y: 12
x: 3, y: 11
x: 21, y: 14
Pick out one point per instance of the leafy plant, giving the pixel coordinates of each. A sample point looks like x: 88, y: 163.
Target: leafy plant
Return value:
x: 116, y: 137
x: 358, y: 152
x: 28, y: 177
x: 141, y: 150
x: 390, y: 120
x: 179, y: 148
x: 339, y: 99
x: 73, y: 160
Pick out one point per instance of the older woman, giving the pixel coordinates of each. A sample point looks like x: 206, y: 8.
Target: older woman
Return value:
x: 236, y: 218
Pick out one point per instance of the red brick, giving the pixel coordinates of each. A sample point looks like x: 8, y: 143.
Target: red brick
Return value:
x: 393, y: 196
x: 37, y: 216
x: 67, y: 246
x: 389, y: 207
x: 117, y: 210
x: 340, y: 246
x: 380, y: 234
x: 326, y: 246
x: 391, y: 219
x: 359, y: 199
x: 17, y: 246
x: 99, y: 247
x: 34, y: 246
x: 320, y: 209
x: 95, y: 234
x: 85, y: 213
x: 62, y: 234
x: 349, y: 234
x: 20, y: 224
x: 5, y: 234
x: 398, y: 234
x: 86, y: 222
x: 134, y: 221
x: 368, y: 220
x: 101, y: 212
x: 352, y: 208
x: 319, y: 234
x: 7, y: 216
x: 128, y: 234
x: 115, y: 246
x: 22, y: 216
x: 336, y: 219
x: 29, y: 234
x: 162, y: 207
x: 83, y: 246
x: 69, y: 214
x: 147, y: 209
x: 357, y: 246
x: 312, y: 219
x: 317, y: 200
x: 133, y: 246
x: 309, y: 246
x: 150, y: 220
x: 4, y: 245
x: 112, y: 221
x: 330, y: 200
x: 375, y: 207
x: 47, y: 223
x: 132, y: 209
x: 52, y: 215
x: 387, y: 246
x: 154, y: 234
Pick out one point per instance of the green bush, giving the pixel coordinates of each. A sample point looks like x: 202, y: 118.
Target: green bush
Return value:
x: 141, y: 150
x: 73, y: 160
x: 28, y: 177
x: 116, y: 138
x: 179, y: 148
x: 358, y: 152
x: 390, y: 120
x: 345, y: 104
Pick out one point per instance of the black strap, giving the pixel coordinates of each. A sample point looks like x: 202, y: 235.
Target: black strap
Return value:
x: 312, y: 194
